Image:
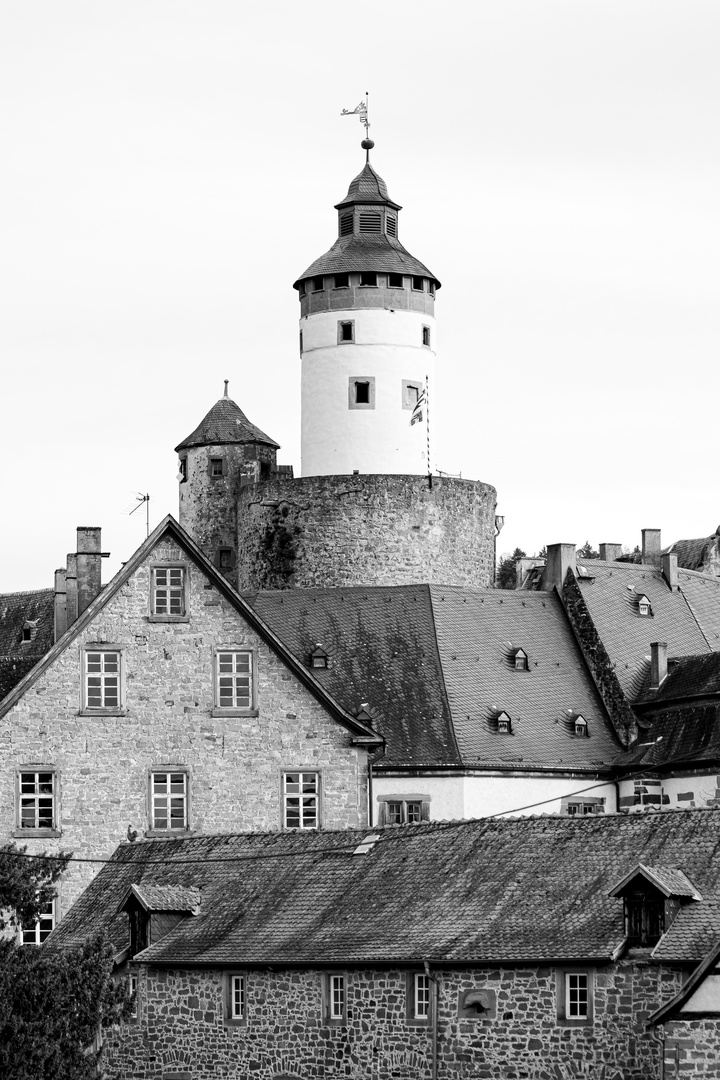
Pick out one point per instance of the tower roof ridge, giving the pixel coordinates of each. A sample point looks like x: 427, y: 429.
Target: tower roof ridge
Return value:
x: 225, y: 423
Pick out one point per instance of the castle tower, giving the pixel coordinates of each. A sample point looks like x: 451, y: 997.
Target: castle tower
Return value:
x: 367, y: 342
x: 223, y: 454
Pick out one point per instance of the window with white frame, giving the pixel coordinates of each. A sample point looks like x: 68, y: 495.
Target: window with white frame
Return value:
x: 35, y: 935
x: 169, y: 800
x: 234, y: 679
x: 574, y: 996
x: 236, y: 997
x: 421, y: 997
x: 301, y: 800
x: 102, y: 681
x: 168, y: 598
x: 132, y: 986
x: 36, y: 801
x: 335, y: 997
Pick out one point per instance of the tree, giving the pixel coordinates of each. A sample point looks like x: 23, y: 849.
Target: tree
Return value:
x: 506, y: 576
x: 587, y: 551
x: 52, y: 1002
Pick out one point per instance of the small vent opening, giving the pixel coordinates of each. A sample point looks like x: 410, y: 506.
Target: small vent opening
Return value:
x: 370, y: 223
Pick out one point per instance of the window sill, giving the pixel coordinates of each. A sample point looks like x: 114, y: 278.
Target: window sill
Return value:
x: 235, y: 1022
x: 32, y: 834
x: 103, y: 712
x: 168, y: 618
x: 235, y: 712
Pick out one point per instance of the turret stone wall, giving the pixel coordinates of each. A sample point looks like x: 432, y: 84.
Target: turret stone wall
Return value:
x: 365, y: 530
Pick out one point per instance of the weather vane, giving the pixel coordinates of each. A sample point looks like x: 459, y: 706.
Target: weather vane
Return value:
x: 361, y: 111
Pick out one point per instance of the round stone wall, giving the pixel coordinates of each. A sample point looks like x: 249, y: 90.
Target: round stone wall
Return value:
x: 365, y: 530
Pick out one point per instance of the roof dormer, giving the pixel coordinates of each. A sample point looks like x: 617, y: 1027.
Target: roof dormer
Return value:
x: 154, y: 910
x: 652, y: 897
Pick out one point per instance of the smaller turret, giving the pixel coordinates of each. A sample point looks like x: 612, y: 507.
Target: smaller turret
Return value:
x: 224, y: 453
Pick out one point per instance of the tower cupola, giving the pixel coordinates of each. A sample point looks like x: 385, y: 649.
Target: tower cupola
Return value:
x: 367, y: 341
x: 224, y: 453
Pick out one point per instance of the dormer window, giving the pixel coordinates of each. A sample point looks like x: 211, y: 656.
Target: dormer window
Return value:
x: 652, y: 897
x: 644, y: 606
x: 318, y: 658
x: 520, y: 660
x: 29, y: 630
x: 504, y: 724
x: 581, y: 728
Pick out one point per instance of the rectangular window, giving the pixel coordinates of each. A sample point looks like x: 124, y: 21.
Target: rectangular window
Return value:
x: 346, y: 331
x: 318, y: 284
x: 369, y: 278
x: 362, y: 393
x: 301, y: 341
x: 395, y: 281
x: 169, y: 800
x: 431, y: 288
x: 301, y: 795
x: 182, y: 474
x: 36, y: 799
x: 237, y: 997
x: 35, y: 935
x: 169, y: 591
x: 335, y: 997
x: 580, y: 807
x: 399, y: 811
x: 216, y: 466
x: 234, y: 679
x: 341, y: 281
x: 132, y: 993
x: 426, y: 335
x: 421, y: 1002
x: 417, y: 284
x: 576, y: 995
x: 102, y: 682
x: 225, y: 558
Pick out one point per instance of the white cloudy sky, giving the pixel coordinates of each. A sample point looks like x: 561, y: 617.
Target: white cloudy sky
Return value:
x: 170, y: 167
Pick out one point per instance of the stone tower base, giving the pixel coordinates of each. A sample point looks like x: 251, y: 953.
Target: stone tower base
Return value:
x: 320, y: 531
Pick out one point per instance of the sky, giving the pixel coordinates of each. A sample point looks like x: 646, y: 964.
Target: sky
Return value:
x: 170, y: 167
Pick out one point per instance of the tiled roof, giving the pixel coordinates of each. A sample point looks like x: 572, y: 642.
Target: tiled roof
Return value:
x: 678, y: 738
x: 475, y: 891
x: 366, y: 252
x: 225, y: 423
x: 694, y: 554
x: 434, y: 663
x: 166, y: 897
x: 367, y: 187
x: 690, y: 936
x: 668, y: 879
x: 687, y: 677
x: 36, y: 609
x: 687, y: 619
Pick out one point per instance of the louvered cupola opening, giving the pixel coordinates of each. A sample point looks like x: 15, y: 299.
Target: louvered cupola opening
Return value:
x: 346, y: 224
x: 370, y: 222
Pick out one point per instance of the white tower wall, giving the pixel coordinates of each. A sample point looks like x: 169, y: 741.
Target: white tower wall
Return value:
x: 340, y: 435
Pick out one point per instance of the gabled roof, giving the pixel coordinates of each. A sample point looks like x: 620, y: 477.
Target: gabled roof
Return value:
x: 488, y: 891
x: 433, y: 663
x: 670, y: 881
x: 367, y: 187
x: 18, y: 657
x: 225, y: 423
x: 169, y: 527
x: 175, y: 898
x: 707, y: 967
x: 678, y: 738
x: 687, y: 619
x: 688, y: 677
x: 366, y: 252
x: 694, y: 554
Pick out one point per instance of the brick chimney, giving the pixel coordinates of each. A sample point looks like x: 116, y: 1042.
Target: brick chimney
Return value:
x: 560, y: 559
x: 88, y: 565
x: 60, y: 625
x: 610, y: 552
x: 670, y: 570
x: 658, y: 664
x: 71, y: 589
x: 651, y: 550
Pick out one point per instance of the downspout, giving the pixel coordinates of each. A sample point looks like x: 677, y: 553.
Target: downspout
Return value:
x: 658, y: 1036
x: 372, y: 758
x: 433, y: 1017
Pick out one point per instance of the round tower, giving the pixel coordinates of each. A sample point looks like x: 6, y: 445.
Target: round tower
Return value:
x: 367, y: 343
x: 222, y: 455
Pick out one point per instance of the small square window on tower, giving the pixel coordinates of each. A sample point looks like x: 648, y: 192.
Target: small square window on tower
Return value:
x: 318, y: 284
x: 216, y: 466
x: 418, y: 284
x: 341, y: 281
x: 361, y: 392
x: 426, y: 336
x: 395, y: 281
x: 369, y: 279
x: 346, y: 331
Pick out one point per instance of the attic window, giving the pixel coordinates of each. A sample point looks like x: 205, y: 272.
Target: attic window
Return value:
x: 418, y: 284
x: 370, y: 223
x: 318, y: 284
x: 520, y: 660
x: 29, y: 631
x: 644, y: 918
x: 504, y: 724
x: 369, y: 279
x: 346, y: 226
x: 395, y: 281
x: 581, y: 728
x: 341, y: 281
x: 318, y: 657
x: 644, y: 607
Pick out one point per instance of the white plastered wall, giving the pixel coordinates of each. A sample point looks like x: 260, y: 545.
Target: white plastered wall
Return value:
x: 387, y: 348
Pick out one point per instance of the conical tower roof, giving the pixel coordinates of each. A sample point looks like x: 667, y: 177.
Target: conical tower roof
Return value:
x: 367, y: 187
x: 225, y: 423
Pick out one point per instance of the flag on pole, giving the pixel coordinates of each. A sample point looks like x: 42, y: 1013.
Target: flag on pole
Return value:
x: 418, y: 412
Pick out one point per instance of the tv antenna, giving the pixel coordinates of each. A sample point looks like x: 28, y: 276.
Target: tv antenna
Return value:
x: 140, y: 499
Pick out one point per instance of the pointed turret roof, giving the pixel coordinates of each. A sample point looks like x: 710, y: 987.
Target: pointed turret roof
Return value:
x: 225, y: 423
x: 367, y: 187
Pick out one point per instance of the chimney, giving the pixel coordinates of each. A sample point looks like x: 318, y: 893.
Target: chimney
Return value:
x: 71, y: 589
x: 658, y: 664
x: 610, y: 552
x: 651, y: 546
x: 560, y: 559
x: 60, y: 604
x: 670, y: 570
x: 88, y: 565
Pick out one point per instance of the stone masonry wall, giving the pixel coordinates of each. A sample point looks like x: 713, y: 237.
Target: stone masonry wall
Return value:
x: 365, y: 530
x: 235, y: 763
x: 692, y: 1049
x: 181, y: 1028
